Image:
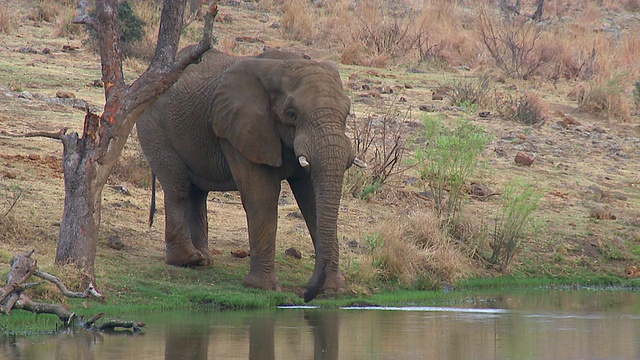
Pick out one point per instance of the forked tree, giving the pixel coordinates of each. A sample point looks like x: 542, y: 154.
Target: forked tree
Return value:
x: 89, y: 159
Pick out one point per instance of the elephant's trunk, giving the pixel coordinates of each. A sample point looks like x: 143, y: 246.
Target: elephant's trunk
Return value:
x: 327, y: 165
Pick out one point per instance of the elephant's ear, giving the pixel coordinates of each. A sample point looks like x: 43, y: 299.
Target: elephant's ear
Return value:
x: 241, y: 112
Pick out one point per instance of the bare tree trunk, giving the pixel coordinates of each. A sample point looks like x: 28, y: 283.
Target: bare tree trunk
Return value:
x: 88, y: 160
x: 537, y: 16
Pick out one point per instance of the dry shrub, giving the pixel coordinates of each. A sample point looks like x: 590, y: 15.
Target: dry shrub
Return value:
x: 132, y: 166
x: 467, y: 91
x: 413, y: 250
x: 8, y: 21
x: 632, y: 5
x: 65, y: 26
x: 298, y: 21
x: 604, y: 97
x: 528, y: 108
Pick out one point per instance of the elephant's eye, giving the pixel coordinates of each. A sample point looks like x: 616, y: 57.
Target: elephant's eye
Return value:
x: 291, y: 115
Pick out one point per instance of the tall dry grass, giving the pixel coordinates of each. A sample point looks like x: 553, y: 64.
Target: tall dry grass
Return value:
x: 410, y: 250
x: 577, y: 40
x: 8, y: 21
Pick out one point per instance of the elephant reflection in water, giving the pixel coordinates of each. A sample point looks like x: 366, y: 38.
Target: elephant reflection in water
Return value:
x: 192, y: 341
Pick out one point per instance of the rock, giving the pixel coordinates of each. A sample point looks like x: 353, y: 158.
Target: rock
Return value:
x: 25, y: 95
x: 437, y: 96
x: 239, y: 253
x: 295, y: 215
x: 9, y: 173
x: 523, y: 159
x: 114, y: 242
x: 484, y: 114
x: 46, y: 51
x: 428, y: 108
x: 480, y: 190
x: 121, y: 189
x: 293, y: 252
x: 601, y: 213
x: 34, y: 157
x: 61, y: 94
x: 408, y: 86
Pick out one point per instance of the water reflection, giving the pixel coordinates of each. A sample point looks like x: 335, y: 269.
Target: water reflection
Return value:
x: 523, y: 325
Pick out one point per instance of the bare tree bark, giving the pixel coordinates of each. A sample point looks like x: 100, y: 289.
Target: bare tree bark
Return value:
x: 88, y: 160
x: 537, y: 15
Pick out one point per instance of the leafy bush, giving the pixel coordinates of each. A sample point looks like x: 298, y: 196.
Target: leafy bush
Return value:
x: 132, y: 28
x: 519, y: 201
x: 446, y: 160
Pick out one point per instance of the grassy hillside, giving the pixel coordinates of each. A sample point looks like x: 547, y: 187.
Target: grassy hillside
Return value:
x: 562, y: 91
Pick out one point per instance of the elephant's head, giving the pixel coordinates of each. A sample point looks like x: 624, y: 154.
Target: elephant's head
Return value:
x: 264, y: 107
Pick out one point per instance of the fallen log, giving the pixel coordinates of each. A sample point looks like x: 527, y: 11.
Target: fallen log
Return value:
x: 12, y: 296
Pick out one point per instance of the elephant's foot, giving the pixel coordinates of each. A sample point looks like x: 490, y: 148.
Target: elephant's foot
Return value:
x: 333, y: 283
x: 262, y: 281
x: 186, y: 258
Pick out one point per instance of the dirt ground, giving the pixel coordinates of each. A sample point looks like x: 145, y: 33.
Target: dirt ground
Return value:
x: 587, y: 166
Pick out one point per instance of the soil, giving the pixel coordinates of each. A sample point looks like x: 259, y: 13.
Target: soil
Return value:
x: 586, y: 166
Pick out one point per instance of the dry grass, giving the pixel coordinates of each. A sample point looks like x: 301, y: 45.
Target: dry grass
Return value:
x: 298, y: 21
x: 412, y: 250
x: 7, y: 20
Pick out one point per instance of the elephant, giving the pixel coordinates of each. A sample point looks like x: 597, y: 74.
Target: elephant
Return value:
x: 246, y: 124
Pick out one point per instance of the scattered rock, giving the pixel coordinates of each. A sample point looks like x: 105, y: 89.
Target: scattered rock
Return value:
x: 365, y: 87
x: 293, y: 252
x: 502, y: 152
x: 240, y: 253
x: 25, y: 95
x: 33, y: 157
x: 46, y: 51
x: 121, y: 189
x: 601, y: 213
x: 66, y: 48
x: 9, y: 173
x: 408, y: 86
x: 114, y: 242
x: 295, y: 215
x: 428, y: 108
x: 61, y: 94
x: 27, y: 50
x: 437, y: 96
x: 523, y: 159
x: 484, y: 114
x: 480, y: 190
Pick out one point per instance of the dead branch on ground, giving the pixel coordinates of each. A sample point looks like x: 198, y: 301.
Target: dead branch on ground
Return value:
x: 12, y: 296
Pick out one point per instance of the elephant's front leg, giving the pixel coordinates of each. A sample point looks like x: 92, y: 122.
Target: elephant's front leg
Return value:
x: 259, y: 187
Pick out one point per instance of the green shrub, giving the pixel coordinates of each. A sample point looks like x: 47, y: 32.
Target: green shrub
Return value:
x: 467, y: 92
x: 132, y: 28
x: 446, y: 161
x: 519, y: 201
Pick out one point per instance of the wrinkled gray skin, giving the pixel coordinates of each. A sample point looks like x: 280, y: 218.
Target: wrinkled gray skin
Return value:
x: 233, y: 123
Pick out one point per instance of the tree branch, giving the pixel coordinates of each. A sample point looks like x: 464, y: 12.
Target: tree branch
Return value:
x: 83, y: 17
x: 47, y: 134
x: 90, y: 291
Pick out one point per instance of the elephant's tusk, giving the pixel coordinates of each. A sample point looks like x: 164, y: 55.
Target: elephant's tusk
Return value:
x: 303, y: 162
x: 360, y: 163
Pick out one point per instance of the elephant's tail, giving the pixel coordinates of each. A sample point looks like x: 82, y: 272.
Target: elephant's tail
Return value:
x: 152, y: 209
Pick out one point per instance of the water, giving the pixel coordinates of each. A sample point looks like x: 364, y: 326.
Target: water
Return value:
x: 532, y: 324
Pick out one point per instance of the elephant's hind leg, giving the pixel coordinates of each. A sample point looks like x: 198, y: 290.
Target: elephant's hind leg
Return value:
x: 180, y: 250
x: 198, y: 227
